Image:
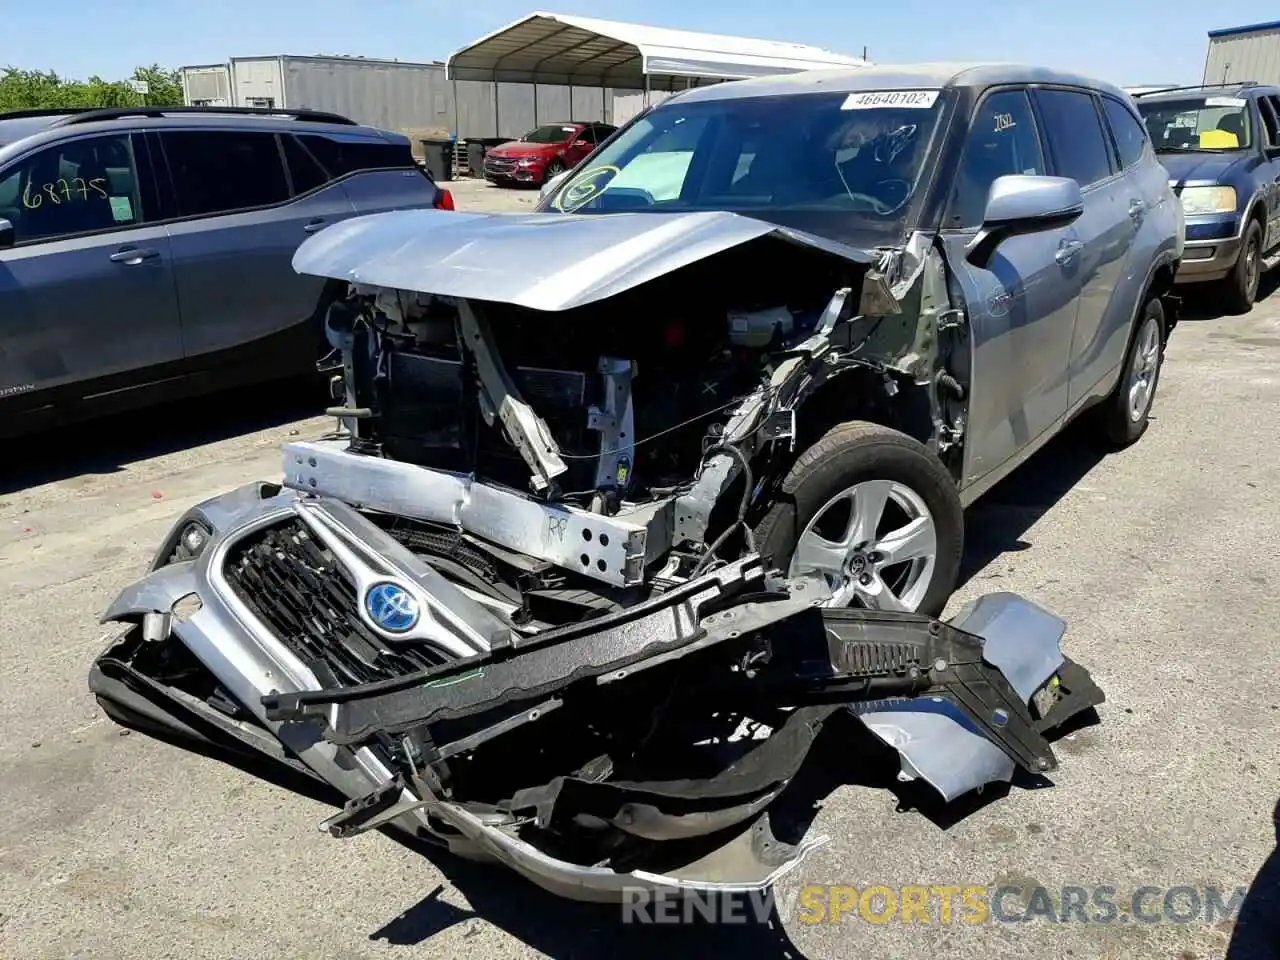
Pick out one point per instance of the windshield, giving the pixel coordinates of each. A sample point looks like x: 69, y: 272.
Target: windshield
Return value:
x: 552, y: 133
x: 1211, y: 124
x: 812, y: 161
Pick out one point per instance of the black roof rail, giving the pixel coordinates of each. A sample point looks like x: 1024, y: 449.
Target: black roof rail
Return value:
x: 42, y: 112
x: 115, y: 113
x: 1238, y: 85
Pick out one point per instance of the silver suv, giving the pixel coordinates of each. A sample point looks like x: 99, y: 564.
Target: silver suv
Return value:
x: 146, y: 253
x: 633, y: 488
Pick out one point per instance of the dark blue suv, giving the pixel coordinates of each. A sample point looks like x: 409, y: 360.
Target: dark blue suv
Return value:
x: 1221, y: 146
x: 147, y: 252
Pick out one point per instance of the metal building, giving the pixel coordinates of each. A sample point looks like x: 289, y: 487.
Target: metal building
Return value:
x: 544, y: 68
x: 208, y: 85
x: 391, y: 94
x: 630, y: 64
x: 1244, y: 53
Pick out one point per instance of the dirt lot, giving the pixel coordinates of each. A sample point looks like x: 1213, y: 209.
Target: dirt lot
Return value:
x: 1165, y: 560
x: 482, y: 195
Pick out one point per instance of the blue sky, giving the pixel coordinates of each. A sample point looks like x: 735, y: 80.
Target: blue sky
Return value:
x: 1125, y: 41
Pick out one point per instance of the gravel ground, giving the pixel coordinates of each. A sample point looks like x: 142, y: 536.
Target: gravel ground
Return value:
x: 1164, y: 559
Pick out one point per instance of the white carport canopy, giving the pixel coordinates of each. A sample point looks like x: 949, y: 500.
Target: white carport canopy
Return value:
x: 554, y: 48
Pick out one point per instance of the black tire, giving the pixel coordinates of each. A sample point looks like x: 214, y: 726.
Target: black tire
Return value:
x: 1120, y: 425
x: 553, y: 169
x: 1240, y: 287
x: 855, y: 452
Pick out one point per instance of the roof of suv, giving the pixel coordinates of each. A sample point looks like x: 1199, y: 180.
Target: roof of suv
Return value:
x: 21, y: 126
x: 894, y: 77
x: 1205, y: 90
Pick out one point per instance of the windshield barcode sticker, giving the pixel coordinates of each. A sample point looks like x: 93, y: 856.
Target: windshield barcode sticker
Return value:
x: 916, y: 99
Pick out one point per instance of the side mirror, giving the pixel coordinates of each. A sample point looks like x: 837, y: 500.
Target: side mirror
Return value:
x: 1020, y: 204
x: 550, y: 186
x: 7, y: 234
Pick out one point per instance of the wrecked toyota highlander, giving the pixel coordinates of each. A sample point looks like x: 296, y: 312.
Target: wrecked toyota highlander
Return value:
x: 634, y: 497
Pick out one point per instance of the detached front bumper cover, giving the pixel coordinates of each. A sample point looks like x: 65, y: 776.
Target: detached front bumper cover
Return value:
x: 942, y: 700
x: 649, y: 748
x: 956, y: 705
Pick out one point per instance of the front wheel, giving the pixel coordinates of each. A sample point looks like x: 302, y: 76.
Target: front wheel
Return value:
x: 876, y: 514
x: 1241, y: 284
x: 554, y: 169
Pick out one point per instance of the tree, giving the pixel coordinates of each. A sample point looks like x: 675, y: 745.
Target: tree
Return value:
x: 40, y: 89
x: 164, y: 86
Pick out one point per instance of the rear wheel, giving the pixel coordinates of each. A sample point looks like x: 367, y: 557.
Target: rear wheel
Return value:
x: 1241, y: 284
x: 1126, y: 413
x: 876, y: 513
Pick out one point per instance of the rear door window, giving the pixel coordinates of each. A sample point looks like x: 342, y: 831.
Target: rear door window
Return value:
x: 1002, y: 142
x: 1268, y: 108
x: 305, y: 172
x: 79, y: 186
x: 340, y: 157
x: 1130, y: 135
x: 222, y: 171
x: 1075, y: 135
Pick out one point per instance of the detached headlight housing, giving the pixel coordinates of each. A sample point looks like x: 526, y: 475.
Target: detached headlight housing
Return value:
x: 1197, y: 201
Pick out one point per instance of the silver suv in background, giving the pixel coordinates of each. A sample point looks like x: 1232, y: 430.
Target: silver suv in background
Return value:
x: 145, y: 253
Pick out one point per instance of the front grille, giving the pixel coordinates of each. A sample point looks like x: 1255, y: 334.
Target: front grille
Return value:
x: 293, y: 584
x: 500, y: 167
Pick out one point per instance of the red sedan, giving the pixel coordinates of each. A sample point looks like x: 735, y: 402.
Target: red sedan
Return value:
x: 543, y: 152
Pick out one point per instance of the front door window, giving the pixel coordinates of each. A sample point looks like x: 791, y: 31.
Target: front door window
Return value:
x: 76, y: 187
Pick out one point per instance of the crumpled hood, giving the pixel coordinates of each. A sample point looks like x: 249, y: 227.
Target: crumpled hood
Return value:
x: 1200, y: 167
x: 544, y: 261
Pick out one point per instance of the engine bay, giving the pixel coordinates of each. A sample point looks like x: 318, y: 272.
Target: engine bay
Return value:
x: 623, y: 443
x: 632, y: 390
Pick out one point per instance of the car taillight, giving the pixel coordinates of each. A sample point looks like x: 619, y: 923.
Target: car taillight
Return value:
x: 444, y: 199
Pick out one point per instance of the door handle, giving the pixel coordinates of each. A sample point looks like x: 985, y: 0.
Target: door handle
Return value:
x: 314, y: 225
x: 1067, y: 251
x: 132, y: 255
x: 1137, y: 209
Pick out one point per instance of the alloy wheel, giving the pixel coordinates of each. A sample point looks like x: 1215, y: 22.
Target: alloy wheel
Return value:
x: 1143, y: 368
x: 875, y: 542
